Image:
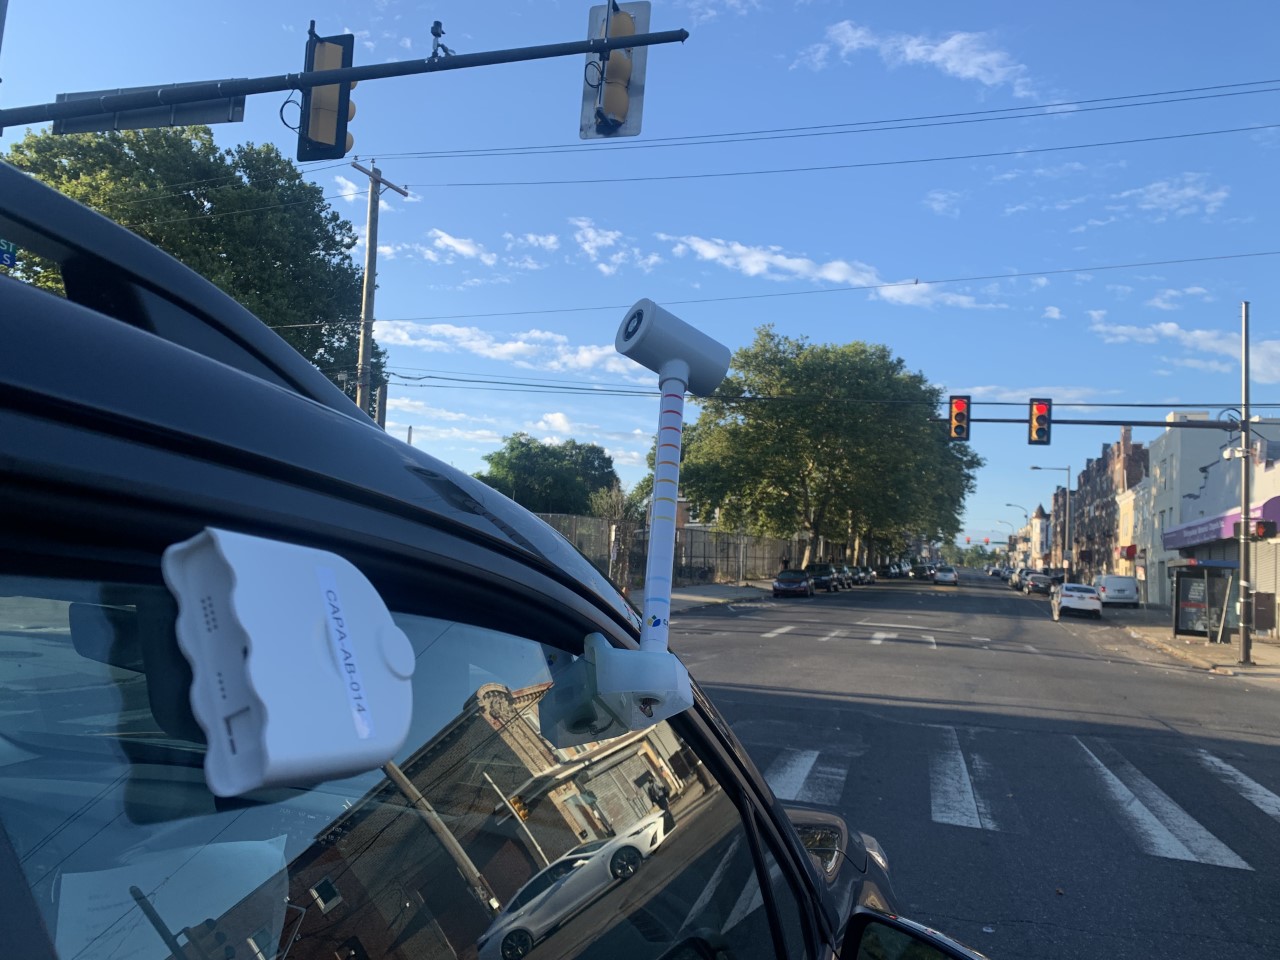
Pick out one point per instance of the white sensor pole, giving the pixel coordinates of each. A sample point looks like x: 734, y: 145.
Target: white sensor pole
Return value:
x: 673, y: 381
x: 685, y: 359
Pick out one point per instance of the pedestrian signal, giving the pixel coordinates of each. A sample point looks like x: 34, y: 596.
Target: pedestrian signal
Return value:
x: 1039, y: 421
x: 959, y: 419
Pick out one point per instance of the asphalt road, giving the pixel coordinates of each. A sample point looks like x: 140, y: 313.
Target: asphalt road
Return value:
x: 1043, y: 790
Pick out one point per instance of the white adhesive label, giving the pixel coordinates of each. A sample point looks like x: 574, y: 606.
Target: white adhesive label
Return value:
x: 344, y: 653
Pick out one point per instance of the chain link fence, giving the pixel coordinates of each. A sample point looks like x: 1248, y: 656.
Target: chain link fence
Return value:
x: 701, y: 556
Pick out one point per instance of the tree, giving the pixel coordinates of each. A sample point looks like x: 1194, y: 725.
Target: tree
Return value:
x: 835, y: 441
x: 549, y: 477
x: 244, y: 218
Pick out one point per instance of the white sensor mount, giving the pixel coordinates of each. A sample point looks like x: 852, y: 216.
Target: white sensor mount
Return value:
x: 299, y: 673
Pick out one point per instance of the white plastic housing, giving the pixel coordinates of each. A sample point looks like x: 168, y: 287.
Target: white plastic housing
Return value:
x: 298, y: 672
x: 607, y: 692
x: 653, y: 337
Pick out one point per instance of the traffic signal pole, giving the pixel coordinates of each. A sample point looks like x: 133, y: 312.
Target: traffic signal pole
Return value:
x: 176, y: 93
x: 365, y: 357
x: 1246, y: 465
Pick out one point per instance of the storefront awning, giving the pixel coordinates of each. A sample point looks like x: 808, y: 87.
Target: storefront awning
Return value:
x: 1221, y: 527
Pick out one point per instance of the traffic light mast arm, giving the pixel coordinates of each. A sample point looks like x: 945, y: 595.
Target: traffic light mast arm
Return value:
x: 175, y: 93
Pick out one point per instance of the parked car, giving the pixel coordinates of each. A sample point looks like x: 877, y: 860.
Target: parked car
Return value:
x: 868, y: 575
x: 142, y: 412
x: 1075, y: 598
x: 568, y: 885
x: 1116, y: 590
x: 947, y: 575
x: 847, y: 576
x: 1036, y: 583
x: 824, y: 577
x: 921, y: 572
x: 793, y: 583
x: 1015, y: 578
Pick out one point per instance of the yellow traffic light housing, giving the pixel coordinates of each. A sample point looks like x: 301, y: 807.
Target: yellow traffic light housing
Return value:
x: 1039, y: 421
x: 520, y: 807
x: 613, y: 87
x: 326, y: 110
x: 959, y: 419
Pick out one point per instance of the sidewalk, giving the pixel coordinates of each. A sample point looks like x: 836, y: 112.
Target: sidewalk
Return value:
x: 707, y: 594
x: 1152, y: 625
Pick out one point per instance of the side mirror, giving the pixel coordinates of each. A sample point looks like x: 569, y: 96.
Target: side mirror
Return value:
x: 880, y: 936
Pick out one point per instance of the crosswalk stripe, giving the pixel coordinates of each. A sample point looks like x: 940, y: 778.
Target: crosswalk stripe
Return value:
x: 825, y: 783
x: 878, y: 638
x: 950, y: 789
x: 1251, y: 790
x: 1162, y: 827
x: 787, y: 773
x: 833, y: 635
x: 933, y: 643
x: 778, y: 632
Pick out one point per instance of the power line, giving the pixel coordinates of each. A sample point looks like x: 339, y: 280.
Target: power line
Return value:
x: 1096, y: 268
x: 236, y: 213
x: 861, y: 126
x: 867, y: 164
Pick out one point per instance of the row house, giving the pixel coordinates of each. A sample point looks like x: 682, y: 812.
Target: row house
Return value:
x: 1096, y: 539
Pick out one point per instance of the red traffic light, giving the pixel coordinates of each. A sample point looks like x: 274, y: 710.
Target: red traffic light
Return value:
x: 959, y: 418
x: 1039, y: 420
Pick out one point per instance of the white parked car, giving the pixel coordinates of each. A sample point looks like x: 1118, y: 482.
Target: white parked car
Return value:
x: 567, y: 885
x: 1116, y: 590
x: 1075, y: 598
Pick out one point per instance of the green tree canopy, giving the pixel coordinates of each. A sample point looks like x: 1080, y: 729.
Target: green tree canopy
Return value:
x: 830, y: 440
x: 244, y: 218
x: 549, y: 477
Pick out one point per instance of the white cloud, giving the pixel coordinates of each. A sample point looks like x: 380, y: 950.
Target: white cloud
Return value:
x: 528, y: 349
x: 1264, y: 356
x: 406, y: 42
x: 1096, y: 316
x: 1168, y: 299
x: 627, y: 458
x: 1060, y: 393
x: 417, y: 407
x: 362, y: 36
x: 772, y: 263
x: 348, y: 187
x: 427, y: 432
x: 1040, y: 282
x: 460, y: 247
x: 966, y: 56
x: 1179, y: 196
x: 943, y: 202
x: 541, y: 241
x: 1052, y: 313
x: 704, y: 11
x: 558, y: 423
x: 1017, y: 208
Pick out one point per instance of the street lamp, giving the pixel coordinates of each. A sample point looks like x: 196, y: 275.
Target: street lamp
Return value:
x: 1069, y: 543
x: 1009, y: 545
x: 1026, y: 517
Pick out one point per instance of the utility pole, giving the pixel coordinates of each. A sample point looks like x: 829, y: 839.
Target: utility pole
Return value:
x: 376, y: 183
x: 1246, y: 465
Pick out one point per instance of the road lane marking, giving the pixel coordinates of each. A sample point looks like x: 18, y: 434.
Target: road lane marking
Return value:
x: 933, y: 643
x: 825, y: 783
x: 786, y: 775
x: 1162, y: 827
x: 1251, y: 790
x: 833, y: 635
x: 950, y: 789
x: 879, y: 638
x: 777, y: 633
x: 1031, y: 648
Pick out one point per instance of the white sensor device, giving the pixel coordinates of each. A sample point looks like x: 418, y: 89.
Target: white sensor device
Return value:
x: 608, y: 691
x: 299, y: 673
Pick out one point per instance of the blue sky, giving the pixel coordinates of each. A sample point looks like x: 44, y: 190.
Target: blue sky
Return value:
x: 491, y: 272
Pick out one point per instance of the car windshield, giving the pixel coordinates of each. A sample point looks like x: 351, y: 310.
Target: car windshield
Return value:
x: 792, y: 575
x: 126, y: 852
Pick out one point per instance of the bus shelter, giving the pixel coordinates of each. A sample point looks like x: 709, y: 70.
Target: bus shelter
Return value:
x: 1205, y: 595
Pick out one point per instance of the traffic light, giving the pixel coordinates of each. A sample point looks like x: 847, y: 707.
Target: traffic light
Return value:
x: 1257, y: 529
x: 613, y: 88
x: 959, y: 419
x: 322, y: 129
x: 986, y: 540
x: 966, y: 539
x: 1039, y: 421
x: 519, y: 806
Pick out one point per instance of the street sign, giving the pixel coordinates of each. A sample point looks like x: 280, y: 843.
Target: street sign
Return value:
x: 8, y: 254
x: 221, y: 110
